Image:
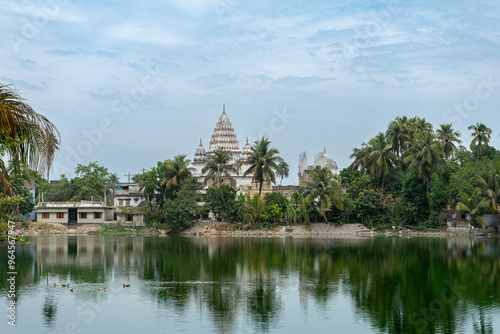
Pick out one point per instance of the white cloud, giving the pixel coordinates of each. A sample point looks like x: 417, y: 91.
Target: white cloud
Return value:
x: 145, y: 33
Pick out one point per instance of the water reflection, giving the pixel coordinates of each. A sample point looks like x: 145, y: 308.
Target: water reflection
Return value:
x: 257, y: 284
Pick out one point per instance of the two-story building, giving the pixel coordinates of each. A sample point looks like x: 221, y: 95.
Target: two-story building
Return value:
x: 129, y: 200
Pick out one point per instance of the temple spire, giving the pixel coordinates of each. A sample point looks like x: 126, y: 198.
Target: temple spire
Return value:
x: 224, y: 108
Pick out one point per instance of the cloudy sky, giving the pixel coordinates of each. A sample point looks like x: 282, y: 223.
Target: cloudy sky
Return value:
x: 129, y: 83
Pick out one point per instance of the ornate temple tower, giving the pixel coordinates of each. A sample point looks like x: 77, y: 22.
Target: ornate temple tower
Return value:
x: 200, y: 159
x: 223, y: 137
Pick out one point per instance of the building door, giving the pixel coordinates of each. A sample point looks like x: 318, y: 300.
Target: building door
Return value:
x: 72, y: 219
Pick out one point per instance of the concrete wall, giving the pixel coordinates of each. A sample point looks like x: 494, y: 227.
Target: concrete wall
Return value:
x: 52, y: 215
x: 137, y: 219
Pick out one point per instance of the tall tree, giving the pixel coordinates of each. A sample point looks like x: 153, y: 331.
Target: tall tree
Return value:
x: 25, y: 136
x: 481, y: 136
x: 219, y: 168
x: 425, y: 156
x: 263, y: 161
x: 113, y: 178
x: 397, y: 134
x: 375, y: 158
x: 322, y: 189
x: 176, y: 173
x: 90, y: 181
x: 285, y: 170
x: 448, y: 136
x: 381, y: 159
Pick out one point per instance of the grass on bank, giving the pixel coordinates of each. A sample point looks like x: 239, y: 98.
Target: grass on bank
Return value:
x: 119, y: 230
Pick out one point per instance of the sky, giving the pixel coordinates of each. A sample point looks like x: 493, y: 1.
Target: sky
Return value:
x: 131, y: 83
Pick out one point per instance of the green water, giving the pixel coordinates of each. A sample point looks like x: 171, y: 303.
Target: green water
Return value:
x: 254, y: 285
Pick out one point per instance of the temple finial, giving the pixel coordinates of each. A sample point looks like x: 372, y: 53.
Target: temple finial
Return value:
x: 247, y: 139
x: 224, y: 108
x: 324, y: 150
x: 200, y: 141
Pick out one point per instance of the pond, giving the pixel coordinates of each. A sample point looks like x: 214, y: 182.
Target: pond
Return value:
x: 253, y: 285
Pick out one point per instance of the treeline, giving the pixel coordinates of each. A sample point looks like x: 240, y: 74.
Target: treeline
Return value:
x: 411, y: 173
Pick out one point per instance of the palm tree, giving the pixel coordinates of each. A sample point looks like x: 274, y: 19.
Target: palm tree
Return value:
x: 448, y: 136
x: 471, y: 205
x: 252, y: 208
x: 382, y: 158
x: 417, y: 124
x: 485, y: 197
x: 263, y: 162
x: 177, y: 171
x: 481, y: 137
x: 397, y: 134
x: 25, y: 136
x: 425, y: 156
x: 375, y: 158
x: 113, y: 178
x: 285, y: 169
x: 219, y: 167
x: 323, y: 190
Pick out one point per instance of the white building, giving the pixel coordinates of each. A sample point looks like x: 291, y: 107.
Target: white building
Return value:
x: 321, y: 160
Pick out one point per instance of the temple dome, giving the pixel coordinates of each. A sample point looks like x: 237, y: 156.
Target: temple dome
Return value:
x: 325, y: 161
x: 224, y: 136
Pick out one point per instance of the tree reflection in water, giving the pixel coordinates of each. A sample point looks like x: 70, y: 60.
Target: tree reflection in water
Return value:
x: 395, y: 285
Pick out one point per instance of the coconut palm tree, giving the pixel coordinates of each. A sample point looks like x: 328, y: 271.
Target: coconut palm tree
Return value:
x: 285, y: 169
x: 481, y: 137
x: 323, y: 190
x: 113, y: 178
x: 375, y: 158
x: 177, y: 171
x: 448, y: 137
x: 471, y: 205
x: 382, y: 158
x: 397, y: 134
x: 219, y: 168
x: 425, y: 156
x: 263, y: 161
x: 25, y: 136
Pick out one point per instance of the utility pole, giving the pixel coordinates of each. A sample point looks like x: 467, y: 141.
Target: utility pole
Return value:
x: 129, y: 175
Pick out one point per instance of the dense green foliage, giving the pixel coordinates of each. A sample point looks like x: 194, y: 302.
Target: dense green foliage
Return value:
x: 415, y: 175
x: 90, y: 182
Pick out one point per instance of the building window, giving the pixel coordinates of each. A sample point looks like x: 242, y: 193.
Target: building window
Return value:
x: 128, y: 202
x: 129, y: 217
x: 82, y: 215
x: 98, y: 215
x: 120, y: 202
x: 45, y: 215
x: 60, y: 215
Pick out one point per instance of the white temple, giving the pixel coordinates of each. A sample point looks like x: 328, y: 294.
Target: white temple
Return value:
x: 322, y: 160
x: 224, y: 137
